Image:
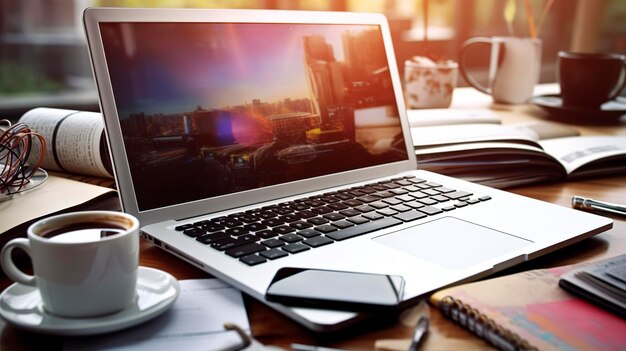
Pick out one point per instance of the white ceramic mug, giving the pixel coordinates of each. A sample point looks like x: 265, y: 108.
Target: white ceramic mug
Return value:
x: 514, y: 67
x: 85, y: 263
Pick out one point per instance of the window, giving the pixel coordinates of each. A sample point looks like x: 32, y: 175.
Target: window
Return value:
x: 44, y: 61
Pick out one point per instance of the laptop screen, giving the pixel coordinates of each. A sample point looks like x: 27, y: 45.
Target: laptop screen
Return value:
x: 210, y: 109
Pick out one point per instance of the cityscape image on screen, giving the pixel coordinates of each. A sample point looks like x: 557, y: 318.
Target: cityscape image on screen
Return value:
x: 209, y: 109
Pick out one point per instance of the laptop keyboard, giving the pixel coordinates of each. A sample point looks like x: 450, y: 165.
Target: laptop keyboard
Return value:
x: 272, y: 232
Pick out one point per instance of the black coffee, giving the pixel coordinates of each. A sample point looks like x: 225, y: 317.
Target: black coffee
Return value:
x: 82, y: 232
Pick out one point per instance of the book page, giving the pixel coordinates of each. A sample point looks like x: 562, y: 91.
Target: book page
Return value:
x: 74, y: 140
x: 574, y: 153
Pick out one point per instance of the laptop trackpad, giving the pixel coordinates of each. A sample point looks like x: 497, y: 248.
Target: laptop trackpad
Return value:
x: 452, y: 243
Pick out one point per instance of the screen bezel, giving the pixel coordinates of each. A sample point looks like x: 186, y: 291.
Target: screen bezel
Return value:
x: 94, y: 16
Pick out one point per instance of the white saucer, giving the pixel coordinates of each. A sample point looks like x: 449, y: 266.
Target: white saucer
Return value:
x: 21, y: 306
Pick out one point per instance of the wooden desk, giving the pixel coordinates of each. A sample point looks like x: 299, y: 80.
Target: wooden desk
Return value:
x: 269, y: 327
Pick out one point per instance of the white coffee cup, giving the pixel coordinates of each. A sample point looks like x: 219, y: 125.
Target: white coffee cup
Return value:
x: 514, y: 67
x: 85, y: 263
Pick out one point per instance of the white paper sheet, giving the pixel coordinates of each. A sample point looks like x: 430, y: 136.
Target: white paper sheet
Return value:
x: 195, y: 322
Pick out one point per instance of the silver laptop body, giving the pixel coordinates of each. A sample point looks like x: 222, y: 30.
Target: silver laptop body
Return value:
x: 213, y: 115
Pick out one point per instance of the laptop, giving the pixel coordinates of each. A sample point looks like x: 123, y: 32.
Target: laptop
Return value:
x: 250, y: 140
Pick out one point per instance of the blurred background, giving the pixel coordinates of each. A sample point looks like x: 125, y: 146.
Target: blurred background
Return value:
x: 44, y: 59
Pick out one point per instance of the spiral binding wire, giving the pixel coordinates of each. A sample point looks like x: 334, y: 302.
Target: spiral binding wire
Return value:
x: 482, y: 326
x: 16, y: 143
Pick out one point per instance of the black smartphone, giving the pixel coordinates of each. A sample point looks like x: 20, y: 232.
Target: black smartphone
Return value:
x: 338, y: 290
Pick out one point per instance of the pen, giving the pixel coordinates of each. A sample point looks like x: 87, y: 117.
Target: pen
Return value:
x: 418, y: 334
x: 302, y: 347
x: 583, y: 203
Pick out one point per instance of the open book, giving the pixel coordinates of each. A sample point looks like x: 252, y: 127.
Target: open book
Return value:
x: 503, y: 156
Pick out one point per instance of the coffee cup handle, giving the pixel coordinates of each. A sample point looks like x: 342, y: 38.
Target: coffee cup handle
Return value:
x: 9, y: 266
x: 462, y: 55
x: 620, y: 86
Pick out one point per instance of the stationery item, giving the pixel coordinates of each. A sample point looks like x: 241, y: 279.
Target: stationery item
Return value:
x: 583, y: 203
x: 529, y: 310
x: 85, y: 263
x: 514, y: 67
x: 603, y: 283
x: 303, y: 347
x: 588, y: 80
x: 421, y: 328
x: 21, y: 306
x: 196, y: 321
x: 16, y: 144
x: 242, y: 159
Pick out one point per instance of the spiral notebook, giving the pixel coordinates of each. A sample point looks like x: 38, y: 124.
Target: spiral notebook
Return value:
x: 528, y: 310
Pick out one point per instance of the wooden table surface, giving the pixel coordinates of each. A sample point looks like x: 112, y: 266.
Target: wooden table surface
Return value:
x: 271, y: 328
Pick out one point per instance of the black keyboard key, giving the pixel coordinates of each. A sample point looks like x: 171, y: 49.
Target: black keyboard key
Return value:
x: 273, y: 254
x: 212, y: 238
x: 484, y: 198
x: 266, y: 234
x: 228, y: 243
x: 272, y: 222
x: 283, y: 229
x: 306, y: 214
x: 322, y: 210
x: 384, y: 194
x: 410, y: 216
x: 350, y: 212
x: 327, y: 228
x: 343, y: 196
x: 358, y: 220
x: 338, y: 206
x: 460, y: 204
x: 364, y: 208
x: 267, y: 215
x: 398, y: 191
x: 364, y: 228
x: 448, y: 208
x: 334, y: 216
x: 283, y: 210
x: 318, y: 241
x: 194, y: 232
x: 213, y: 227
x: 255, y: 227
x: 273, y: 243
x: 244, y: 250
x: 232, y: 223
x: 252, y: 260
x: 430, y: 210
x: 289, y: 218
x: 237, y: 231
x: 291, y: 238
x: 295, y: 248
x: 342, y: 224
x: 403, y: 182
x: 180, y: 228
x: 368, y: 198
x: 317, y: 221
x: 353, y: 203
x: 308, y: 233
x: 300, y: 225
x: 472, y: 201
